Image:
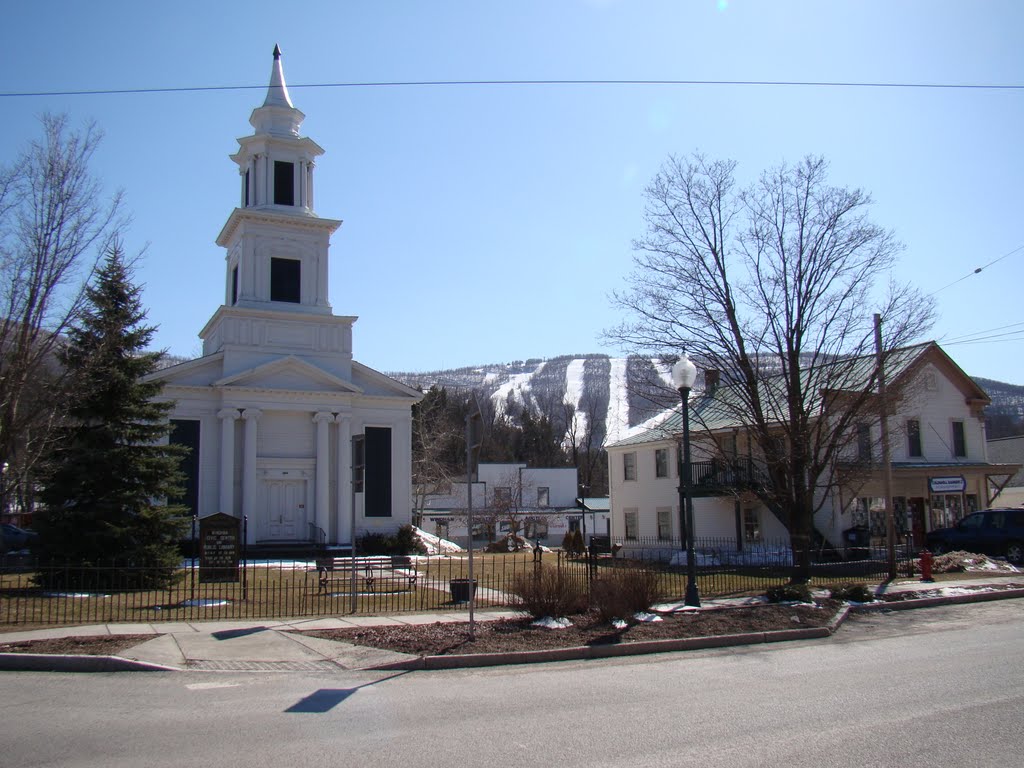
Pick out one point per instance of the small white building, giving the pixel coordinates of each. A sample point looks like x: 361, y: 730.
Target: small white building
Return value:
x: 940, y: 469
x: 537, y: 504
x: 285, y: 428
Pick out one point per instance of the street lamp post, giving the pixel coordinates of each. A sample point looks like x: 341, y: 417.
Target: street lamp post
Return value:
x: 684, y: 374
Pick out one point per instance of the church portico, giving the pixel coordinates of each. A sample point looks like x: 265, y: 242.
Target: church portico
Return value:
x: 285, y: 428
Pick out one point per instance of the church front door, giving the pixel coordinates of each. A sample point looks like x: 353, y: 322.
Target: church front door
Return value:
x: 286, y: 510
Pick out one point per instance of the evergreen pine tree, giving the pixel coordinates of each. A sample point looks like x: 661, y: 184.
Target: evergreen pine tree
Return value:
x: 109, y: 476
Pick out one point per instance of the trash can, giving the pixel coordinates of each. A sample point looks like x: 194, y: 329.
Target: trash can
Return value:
x: 461, y: 590
x: 857, y: 540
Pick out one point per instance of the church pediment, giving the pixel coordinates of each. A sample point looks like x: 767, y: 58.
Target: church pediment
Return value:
x: 200, y: 372
x: 289, y: 373
x: 376, y: 384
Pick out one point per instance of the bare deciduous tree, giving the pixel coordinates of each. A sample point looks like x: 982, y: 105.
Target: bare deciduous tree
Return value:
x: 775, y: 286
x: 54, y: 226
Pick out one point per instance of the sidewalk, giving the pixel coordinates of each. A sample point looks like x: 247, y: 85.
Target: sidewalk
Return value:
x: 267, y: 645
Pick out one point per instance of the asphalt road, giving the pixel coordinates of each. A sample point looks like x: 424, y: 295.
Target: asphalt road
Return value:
x: 939, y: 686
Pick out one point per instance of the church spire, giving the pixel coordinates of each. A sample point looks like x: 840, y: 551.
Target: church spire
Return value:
x: 277, y: 91
x: 278, y: 116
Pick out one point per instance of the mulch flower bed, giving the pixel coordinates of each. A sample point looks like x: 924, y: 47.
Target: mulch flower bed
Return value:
x: 520, y: 635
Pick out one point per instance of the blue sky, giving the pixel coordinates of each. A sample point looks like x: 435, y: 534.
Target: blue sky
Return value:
x: 490, y: 223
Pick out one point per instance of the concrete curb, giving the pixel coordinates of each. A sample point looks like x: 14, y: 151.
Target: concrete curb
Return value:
x: 36, y: 662
x: 584, y: 652
x: 49, y: 662
x: 930, y: 602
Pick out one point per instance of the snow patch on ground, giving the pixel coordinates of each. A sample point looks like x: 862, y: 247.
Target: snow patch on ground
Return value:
x: 515, y: 386
x: 573, y: 396
x: 436, y: 545
x: 645, y: 618
x: 550, y: 623
x: 617, y: 421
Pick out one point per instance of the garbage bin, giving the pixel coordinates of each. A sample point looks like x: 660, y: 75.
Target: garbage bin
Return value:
x: 857, y: 540
x: 461, y: 590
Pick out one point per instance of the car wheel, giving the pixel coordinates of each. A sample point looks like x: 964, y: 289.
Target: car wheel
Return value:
x: 1015, y: 552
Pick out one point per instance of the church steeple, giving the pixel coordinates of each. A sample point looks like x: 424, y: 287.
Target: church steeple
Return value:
x: 277, y: 116
x: 277, y: 245
x: 277, y: 91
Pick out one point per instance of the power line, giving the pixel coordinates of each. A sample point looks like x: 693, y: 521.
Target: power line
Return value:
x: 977, y: 270
x: 451, y: 83
x: 976, y: 334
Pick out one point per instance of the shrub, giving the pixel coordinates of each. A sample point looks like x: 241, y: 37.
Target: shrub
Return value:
x: 567, y: 541
x: 789, y: 593
x: 577, y: 542
x: 622, y: 592
x: 547, y: 592
x: 403, y: 542
x: 852, y: 593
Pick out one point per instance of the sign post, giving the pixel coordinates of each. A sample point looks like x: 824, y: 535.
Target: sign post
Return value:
x: 474, y: 424
x: 219, y: 548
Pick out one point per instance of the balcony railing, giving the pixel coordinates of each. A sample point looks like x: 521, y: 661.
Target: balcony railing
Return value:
x: 716, y: 476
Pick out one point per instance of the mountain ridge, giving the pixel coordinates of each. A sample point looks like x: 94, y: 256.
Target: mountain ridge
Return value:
x: 604, y: 394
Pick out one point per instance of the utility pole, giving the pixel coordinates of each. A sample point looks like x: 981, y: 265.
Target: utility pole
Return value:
x: 890, y: 513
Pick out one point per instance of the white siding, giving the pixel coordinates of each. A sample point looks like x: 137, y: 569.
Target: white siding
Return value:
x: 286, y: 434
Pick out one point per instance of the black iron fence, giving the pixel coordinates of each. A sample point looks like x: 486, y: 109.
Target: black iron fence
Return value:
x: 35, y: 594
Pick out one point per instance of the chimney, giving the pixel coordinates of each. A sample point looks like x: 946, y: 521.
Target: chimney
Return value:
x: 710, y: 382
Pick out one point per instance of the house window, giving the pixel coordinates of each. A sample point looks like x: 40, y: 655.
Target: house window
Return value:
x: 661, y: 462
x: 863, y: 442
x: 284, y: 183
x: 629, y: 466
x: 751, y: 526
x: 536, y: 529
x: 631, y: 523
x: 285, y: 280
x: 543, y: 497
x: 664, y: 523
x: 959, y: 440
x: 502, y: 495
x: 185, y: 432
x: 377, y: 502
x: 914, y: 438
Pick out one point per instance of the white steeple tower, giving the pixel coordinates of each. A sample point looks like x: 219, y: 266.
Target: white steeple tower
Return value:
x: 276, y: 254
x: 277, y: 247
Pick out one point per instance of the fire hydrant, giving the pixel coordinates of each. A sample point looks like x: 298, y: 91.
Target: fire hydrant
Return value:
x: 926, y: 566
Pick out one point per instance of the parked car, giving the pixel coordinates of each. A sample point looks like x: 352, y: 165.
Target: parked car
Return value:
x: 13, y: 538
x: 995, y: 532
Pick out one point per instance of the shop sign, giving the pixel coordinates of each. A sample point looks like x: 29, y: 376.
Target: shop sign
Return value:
x: 957, y: 484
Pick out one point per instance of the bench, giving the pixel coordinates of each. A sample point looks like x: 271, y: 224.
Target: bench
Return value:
x: 373, y: 570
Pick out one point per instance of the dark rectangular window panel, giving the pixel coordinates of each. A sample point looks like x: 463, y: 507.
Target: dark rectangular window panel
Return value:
x: 284, y: 183
x: 285, y: 280
x: 234, y: 285
x: 248, y: 200
x: 378, y: 472
x: 914, y: 438
x: 185, y: 432
x: 864, y: 442
x: 959, y: 440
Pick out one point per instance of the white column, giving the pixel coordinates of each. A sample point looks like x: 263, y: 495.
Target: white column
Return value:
x: 344, y: 527
x: 227, y: 459
x: 309, y: 184
x: 249, y: 491
x: 323, y: 470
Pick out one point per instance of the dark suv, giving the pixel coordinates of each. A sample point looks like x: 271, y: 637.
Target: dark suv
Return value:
x: 996, y: 532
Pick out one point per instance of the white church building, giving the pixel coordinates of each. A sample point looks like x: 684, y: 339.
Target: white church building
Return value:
x: 286, y: 429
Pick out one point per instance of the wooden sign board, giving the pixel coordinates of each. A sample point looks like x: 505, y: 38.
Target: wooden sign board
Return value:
x: 220, y: 546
